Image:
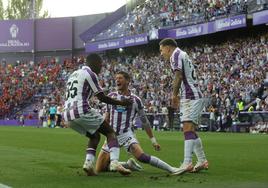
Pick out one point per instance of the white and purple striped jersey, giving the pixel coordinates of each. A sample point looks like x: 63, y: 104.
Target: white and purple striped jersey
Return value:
x: 121, y: 117
x: 81, y: 86
x: 180, y: 60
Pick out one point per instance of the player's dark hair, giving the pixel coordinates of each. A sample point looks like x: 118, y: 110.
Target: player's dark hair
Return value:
x: 93, y: 58
x: 94, y: 61
x: 168, y: 42
x: 125, y: 74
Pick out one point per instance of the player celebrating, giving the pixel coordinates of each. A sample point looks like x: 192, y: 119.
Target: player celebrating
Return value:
x: 188, y: 98
x: 121, y: 119
x: 81, y: 86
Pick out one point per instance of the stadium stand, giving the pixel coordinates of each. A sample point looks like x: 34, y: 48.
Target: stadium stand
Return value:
x: 226, y: 76
x: 170, y: 13
x: 231, y: 71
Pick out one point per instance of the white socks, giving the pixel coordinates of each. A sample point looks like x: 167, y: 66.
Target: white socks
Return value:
x: 156, y: 162
x: 114, y: 153
x: 199, y: 151
x: 188, y: 150
x: 90, y: 156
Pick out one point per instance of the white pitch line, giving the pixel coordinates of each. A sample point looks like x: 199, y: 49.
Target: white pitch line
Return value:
x: 4, y: 186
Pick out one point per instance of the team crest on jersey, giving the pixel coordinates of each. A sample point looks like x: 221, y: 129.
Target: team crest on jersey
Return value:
x: 120, y: 108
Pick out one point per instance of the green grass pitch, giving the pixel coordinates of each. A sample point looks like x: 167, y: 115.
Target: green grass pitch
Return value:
x: 52, y: 158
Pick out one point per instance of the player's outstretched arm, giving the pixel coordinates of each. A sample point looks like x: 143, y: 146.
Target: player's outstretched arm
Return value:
x: 108, y: 100
x: 147, y: 127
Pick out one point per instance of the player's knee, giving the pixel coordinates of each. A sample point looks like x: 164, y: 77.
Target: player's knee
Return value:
x: 144, y: 158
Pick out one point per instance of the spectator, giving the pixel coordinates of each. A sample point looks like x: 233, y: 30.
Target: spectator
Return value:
x: 21, y: 120
x: 52, y: 115
x: 59, y: 116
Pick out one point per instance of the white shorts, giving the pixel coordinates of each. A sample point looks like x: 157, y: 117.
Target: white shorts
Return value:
x: 89, y: 122
x: 125, y: 139
x: 190, y: 110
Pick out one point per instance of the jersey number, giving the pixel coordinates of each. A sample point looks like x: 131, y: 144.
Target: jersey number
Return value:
x: 193, y: 70
x: 71, y: 89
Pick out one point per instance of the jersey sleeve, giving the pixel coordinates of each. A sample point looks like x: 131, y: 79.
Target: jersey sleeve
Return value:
x: 93, y: 82
x: 108, y: 106
x: 139, y: 104
x: 176, y: 61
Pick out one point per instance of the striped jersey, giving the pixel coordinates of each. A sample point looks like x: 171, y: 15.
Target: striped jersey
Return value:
x: 180, y: 60
x: 121, y: 117
x: 81, y: 86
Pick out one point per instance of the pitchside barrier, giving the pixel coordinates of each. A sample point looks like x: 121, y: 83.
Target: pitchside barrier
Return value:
x: 17, y: 122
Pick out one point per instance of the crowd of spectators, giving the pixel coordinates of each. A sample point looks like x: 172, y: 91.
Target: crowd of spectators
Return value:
x: 21, y: 81
x: 170, y: 13
x: 230, y: 73
x: 233, y: 70
x: 260, y: 127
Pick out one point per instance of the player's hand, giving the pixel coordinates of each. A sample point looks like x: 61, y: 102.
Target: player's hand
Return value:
x: 155, y: 144
x: 175, y: 102
x: 157, y: 147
